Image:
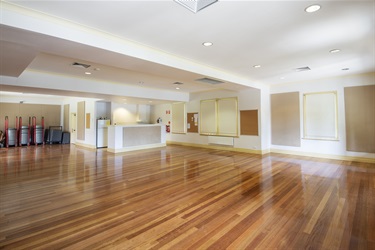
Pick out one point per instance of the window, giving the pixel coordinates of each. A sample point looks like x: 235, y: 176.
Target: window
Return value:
x: 219, y: 117
x: 320, y: 116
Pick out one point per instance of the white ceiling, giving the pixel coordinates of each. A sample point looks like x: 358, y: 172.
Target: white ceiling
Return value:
x: 167, y: 42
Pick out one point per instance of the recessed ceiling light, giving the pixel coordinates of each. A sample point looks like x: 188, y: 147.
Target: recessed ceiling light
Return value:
x: 282, y: 78
x: 334, y: 51
x: 88, y: 73
x: 312, y: 8
x: 207, y: 44
x: 177, y: 88
x: 345, y: 69
x: 257, y: 66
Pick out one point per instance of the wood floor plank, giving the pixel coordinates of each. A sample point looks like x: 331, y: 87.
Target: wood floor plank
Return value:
x: 179, y: 197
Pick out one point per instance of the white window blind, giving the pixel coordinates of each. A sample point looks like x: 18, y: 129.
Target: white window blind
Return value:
x: 320, y: 116
x: 219, y: 117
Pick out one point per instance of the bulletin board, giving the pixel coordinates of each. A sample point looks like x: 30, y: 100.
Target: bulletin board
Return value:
x: 88, y: 119
x: 192, y: 122
x: 249, y: 122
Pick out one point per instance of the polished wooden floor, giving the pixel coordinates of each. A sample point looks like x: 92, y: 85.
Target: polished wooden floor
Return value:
x: 62, y: 196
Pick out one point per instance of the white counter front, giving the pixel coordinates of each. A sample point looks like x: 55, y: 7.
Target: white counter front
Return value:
x: 123, y: 138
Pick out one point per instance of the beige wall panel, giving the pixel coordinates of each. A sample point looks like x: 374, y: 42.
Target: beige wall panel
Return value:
x: 360, y: 118
x: 285, y: 119
x: 178, y: 118
x: 66, y: 117
x: 51, y: 114
x: 81, y: 120
x: 11, y: 110
x: 29, y: 110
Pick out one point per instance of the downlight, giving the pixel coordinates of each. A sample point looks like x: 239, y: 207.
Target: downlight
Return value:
x: 312, y: 8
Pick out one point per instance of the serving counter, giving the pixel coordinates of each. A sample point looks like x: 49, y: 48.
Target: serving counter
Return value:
x: 123, y: 138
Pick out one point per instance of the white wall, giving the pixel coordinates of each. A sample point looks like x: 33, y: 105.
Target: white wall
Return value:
x: 334, y: 148
x: 103, y: 110
x: 90, y: 107
x: 120, y: 114
x: 247, y: 100
x: 123, y: 114
x: 265, y: 119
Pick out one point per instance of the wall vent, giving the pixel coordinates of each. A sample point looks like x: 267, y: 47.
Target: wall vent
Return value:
x: 220, y: 140
x: 209, y: 81
x: 80, y: 65
x: 195, y: 5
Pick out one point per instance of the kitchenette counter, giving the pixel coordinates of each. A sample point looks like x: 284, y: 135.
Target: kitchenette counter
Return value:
x: 123, y: 138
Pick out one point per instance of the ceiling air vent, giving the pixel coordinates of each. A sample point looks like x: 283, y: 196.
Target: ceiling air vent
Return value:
x: 195, y: 5
x: 80, y: 65
x: 209, y: 81
x: 302, y: 69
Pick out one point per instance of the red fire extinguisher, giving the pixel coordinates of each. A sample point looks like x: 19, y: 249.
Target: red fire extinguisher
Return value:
x: 168, y: 127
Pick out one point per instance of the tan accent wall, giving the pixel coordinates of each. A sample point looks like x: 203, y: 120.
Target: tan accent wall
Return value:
x: 51, y: 114
x: 66, y: 117
x: 285, y: 119
x: 81, y: 121
x: 360, y: 118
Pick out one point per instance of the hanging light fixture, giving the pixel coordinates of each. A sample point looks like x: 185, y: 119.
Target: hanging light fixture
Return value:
x: 195, y: 5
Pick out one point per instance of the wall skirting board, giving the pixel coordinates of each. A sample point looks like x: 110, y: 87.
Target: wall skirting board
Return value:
x: 84, y: 145
x: 134, y: 148
x: 325, y: 156
x: 263, y: 152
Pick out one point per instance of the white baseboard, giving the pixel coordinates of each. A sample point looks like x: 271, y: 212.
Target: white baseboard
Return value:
x: 325, y: 156
x: 128, y: 149
x: 262, y: 152
x: 228, y: 148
